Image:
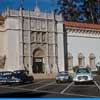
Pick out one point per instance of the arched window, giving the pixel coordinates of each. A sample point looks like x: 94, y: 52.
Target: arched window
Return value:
x: 70, y: 60
x: 92, y: 60
x: 81, y: 60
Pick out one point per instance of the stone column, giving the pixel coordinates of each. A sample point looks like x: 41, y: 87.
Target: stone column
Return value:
x: 21, y: 38
x: 30, y: 57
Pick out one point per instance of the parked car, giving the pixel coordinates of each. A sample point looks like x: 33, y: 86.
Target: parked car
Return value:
x: 5, y: 76
x: 22, y: 77
x: 12, y: 80
x: 83, y: 75
x: 18, y: 76
x: 63, y: 77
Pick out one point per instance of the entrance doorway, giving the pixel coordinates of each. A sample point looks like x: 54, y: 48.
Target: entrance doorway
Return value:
x: 38, y: 63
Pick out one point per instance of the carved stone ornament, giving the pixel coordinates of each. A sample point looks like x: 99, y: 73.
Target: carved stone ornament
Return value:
x: 2, y: 61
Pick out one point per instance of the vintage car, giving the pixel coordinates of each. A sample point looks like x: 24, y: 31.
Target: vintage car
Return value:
x: 63, y: 77
x: 22, y: 76
x: 83, y: 75
x: 4, y: 76
x: 18, y: 76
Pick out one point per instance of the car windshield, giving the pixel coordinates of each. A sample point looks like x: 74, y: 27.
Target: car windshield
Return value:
x: 62, y: 73
x: 84, y: 70
x: 19, y: 73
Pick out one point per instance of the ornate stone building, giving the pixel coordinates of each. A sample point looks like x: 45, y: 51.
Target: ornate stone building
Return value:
x: 32, y: 40
x: 35, y: 41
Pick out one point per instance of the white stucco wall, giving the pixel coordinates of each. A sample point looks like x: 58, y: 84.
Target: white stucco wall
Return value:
x: 12, y: 43
x: 2, y: 35
x: 1, y: 42
x: 85, y: 43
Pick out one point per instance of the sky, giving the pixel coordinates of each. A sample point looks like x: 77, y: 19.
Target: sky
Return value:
x: 44, y: 5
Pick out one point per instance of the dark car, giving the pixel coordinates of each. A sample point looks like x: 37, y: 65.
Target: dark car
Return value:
x: 22, y: 77
x: 5, y: 76
x: 63, y: 77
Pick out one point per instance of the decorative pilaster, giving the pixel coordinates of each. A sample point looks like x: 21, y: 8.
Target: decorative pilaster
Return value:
x: 30, y: 57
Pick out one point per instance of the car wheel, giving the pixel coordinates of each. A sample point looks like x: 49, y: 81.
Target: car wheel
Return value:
x: 57, y: 81
x: 28, y: 82
x: 91, y: 82
x: 76, y: 83
x: 70, y: 80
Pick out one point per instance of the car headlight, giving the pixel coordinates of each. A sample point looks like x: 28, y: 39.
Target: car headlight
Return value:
x: 90, y: 77
x: 17, y: 81
x: 75, y: 78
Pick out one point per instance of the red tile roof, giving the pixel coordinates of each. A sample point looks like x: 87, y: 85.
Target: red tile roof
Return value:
x: 81, y: 25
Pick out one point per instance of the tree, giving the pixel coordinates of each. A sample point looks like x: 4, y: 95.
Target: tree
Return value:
x: 80, y: 10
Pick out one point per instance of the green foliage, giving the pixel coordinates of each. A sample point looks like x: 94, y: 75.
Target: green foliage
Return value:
x: 87, y: 8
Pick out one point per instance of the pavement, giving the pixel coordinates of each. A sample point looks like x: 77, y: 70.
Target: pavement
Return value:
x: 44, y: 76
x: 48, y: 88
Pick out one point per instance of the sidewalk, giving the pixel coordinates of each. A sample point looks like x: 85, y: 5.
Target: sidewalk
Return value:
x: 48, y: 75
x: 44, y: 76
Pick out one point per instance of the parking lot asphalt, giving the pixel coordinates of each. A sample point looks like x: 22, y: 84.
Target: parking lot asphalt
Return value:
x: 49, y: 88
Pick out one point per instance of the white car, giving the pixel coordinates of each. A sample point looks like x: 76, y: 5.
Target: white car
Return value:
x: 83, y: 75
x: 63, y: 77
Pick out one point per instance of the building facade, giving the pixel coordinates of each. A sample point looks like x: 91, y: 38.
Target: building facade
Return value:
x: 35, y: 41
x: 83, y: 44
x: 32, y: 40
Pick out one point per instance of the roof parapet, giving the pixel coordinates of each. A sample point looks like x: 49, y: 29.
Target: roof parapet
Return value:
x: 82, y: 25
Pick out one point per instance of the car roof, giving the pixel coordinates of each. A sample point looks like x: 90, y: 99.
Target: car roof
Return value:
x: 63, y: 72
x: 6, y: 72
x: 19, y: 70
x: 82, y: 67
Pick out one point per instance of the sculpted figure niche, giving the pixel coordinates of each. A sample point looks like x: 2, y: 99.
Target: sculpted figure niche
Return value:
x: 2, y: 61
x: 43, y: 37
x: 38, y: 37
x: 33, y: 36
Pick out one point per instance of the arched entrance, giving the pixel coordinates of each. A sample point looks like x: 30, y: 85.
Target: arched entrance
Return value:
x: 38, y: 61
